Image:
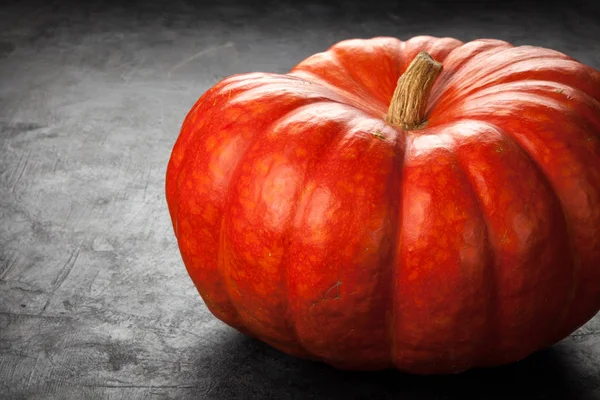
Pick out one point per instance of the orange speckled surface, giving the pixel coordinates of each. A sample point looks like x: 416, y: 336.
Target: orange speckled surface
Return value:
x: 308, y: 222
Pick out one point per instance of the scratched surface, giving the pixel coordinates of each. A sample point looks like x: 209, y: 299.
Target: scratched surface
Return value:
x: 94, y: 300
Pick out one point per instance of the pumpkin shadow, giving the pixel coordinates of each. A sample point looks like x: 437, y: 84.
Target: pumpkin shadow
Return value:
x: 244, y: 368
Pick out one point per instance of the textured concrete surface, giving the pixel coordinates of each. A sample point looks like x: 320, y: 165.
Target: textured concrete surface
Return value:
x: 94, y: 300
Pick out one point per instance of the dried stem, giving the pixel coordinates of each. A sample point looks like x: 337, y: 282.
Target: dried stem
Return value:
x: 409, y: 102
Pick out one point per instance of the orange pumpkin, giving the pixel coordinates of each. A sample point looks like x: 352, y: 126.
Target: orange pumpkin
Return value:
x: 376, y: 207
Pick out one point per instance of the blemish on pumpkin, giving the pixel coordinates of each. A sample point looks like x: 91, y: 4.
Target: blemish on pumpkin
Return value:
x: 275, y: 252
x: 327, y: 295
x: 309, y: 187
x: 379, y: 135
x: 269, y: 264
x: 301, y: 152
x: 238, y: 274
x: 336, y: 286
x: 349, y: 154
x: 211, y: 142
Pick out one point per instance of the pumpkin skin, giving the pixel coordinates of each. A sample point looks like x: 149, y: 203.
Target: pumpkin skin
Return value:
x: 308, y: 222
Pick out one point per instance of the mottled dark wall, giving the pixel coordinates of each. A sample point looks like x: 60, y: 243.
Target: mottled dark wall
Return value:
x: 94, y: 300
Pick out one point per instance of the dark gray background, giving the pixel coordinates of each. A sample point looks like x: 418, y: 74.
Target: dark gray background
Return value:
x: 94, y: 300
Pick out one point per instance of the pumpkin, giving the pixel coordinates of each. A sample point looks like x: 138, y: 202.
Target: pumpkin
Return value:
x: 427, y: 205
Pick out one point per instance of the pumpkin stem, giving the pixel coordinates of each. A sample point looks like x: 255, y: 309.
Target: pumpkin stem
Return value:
x: 409, y: 102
